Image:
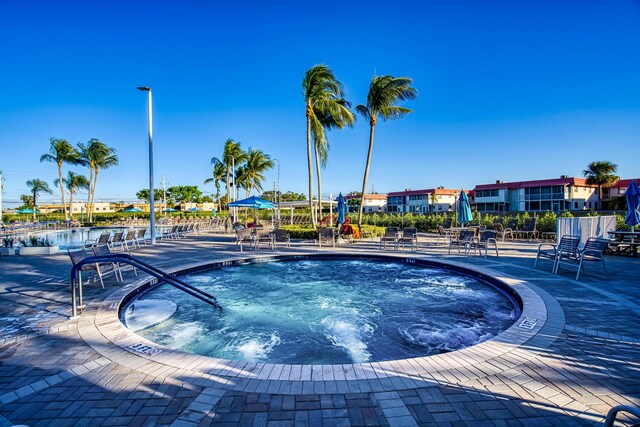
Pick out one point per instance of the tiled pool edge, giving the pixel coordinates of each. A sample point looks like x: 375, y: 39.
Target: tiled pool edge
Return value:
x: 100, y: 328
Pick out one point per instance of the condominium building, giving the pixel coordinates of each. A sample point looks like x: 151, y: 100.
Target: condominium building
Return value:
x: 556, y: 195
x: 77, y: 208
x: 422, y: 201
x: 372, y: 202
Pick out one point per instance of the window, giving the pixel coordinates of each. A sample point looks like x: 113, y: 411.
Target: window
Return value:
x: 575, y: 205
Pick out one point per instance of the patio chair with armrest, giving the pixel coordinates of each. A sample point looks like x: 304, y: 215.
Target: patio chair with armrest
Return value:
x: 512, y: 228
x: 442, y: 234
x: 107, y: 268
x: 409, y: 235
x: 529, y: 229
x: 390, y: 235
x: 568, y: 246
x: 103, y: 239
x: 104, y: 250
x: 244, y: 235
x: 593, y: 251
x: 327, y: 235
x: 262, y: 235
x: 463, y: 239
x: 116, y: 240
x: 129, y: 239
x: 140, y: 240
x: 281, y: 236
x: 485, y: 239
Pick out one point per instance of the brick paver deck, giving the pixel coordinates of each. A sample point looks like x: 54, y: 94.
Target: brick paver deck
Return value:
x: 56, y: 371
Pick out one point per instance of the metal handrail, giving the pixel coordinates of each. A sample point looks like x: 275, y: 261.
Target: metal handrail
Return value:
x: 613, y: 412
x: 149, y: 269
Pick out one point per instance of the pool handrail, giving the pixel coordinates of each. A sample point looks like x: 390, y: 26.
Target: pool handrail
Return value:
x: 147, y: 268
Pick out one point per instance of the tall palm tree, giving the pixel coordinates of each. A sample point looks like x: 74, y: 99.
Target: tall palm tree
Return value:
x: 257, y: 164
x: 38, y: 186
x: 601, y: 173
x: 60, y: 152
x: 96, y: 155
x: 384, y: 93
x: 232, y: 154
x: 243, y: 179
x: 73, y: 182
x: 219, y: 174
x: 325, y: 109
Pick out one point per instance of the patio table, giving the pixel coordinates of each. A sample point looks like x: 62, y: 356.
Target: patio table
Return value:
x: 625, y: 242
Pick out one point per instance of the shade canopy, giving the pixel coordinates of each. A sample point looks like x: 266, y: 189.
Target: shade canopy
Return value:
x: 170, y: 210
x: 633, y: 203
x: 26, y: 211
x: 194, y: 209
x: 340, y: 209
x: 133, y: 210
x: 464, y: 209
x: 252, y: 202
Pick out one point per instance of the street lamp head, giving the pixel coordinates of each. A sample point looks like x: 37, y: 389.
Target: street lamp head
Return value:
x: 144, y: 88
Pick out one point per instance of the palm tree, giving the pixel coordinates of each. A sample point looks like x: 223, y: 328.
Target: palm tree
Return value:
x: 61, y: 151
x: 219, y: 174
x: 325, y: 109
x: 232, y: 155
x: 96, y: 155
x: 601, y: 173
x: 73, y: 182
x: 242, y: 179
x: 384, y: 93
x: 38, y: 186
x: 257, y: 163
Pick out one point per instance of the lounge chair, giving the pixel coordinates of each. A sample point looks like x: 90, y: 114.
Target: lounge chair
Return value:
x: 511, y: 228
x: 103, y: 239
x: 442, y: 234
x: 140, y: 240
x: 409, y: 235
x: 263, y: 235
x: 116, y: 240
x: 501, y: 231
x: 593, y: 251
x: 390, y: 235
x: 327, y: 235
x: 129, y: 239
x: 244, y: 235
x: 463, y: 239
x: 281, y: 236
x: 106, y: 269
x: 568, y: 246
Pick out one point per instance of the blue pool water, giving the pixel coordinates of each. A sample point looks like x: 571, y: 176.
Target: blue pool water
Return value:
x: 75, y: 238
x: 332, y: 311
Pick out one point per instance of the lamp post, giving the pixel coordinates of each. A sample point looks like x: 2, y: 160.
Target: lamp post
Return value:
x: 152, y: 211
x: 278, y: 190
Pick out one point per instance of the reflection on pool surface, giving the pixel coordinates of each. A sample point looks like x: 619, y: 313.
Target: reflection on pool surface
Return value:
x: 332, y: 311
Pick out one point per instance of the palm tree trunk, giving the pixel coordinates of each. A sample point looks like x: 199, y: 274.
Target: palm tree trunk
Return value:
x: 310, y: 167
x: 64, y: 206
x: 229, y: 185
x: 93, y: 196
x: 366, y: 174
x: 89, y: 191
x: 315, y: 146
x: 71, y: 191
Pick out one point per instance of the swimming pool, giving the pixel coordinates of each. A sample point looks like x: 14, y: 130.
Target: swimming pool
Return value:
x: 331, y: 311
x: 75, y: 238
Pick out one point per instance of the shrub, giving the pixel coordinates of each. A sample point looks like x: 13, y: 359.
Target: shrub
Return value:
x: 300, y: 232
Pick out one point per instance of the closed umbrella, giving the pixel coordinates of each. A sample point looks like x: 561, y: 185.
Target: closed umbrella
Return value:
x: 633, y: 203
x: 340, y: 209
x: 464, y: 209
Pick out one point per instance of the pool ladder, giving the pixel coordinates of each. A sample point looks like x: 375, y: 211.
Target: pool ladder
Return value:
x: 76, y: 301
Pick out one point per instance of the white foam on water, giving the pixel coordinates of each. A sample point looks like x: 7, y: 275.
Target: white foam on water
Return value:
x: 254, y: 349
x: 183, y: 334
x: 349, y: 336
x: 452, y: 338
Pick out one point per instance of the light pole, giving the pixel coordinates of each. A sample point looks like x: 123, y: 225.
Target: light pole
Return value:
x: 152, y: 216
x: 278, y: 191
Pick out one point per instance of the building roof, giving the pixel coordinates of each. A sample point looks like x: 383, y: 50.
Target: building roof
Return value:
x: 366, y: 196
x: 621, y: 183
x: 573, y: 181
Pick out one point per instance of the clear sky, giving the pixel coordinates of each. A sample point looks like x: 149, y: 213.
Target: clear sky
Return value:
x: 509, y: 90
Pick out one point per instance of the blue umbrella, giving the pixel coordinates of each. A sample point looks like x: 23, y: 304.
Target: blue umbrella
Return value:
x: 633, y: 202
x: 252, y: 202
x: 464, y: 209
x: 133, y: 210
x: 170, y: 210
x: 340, y: 209
x: 213, y: 212
x: 27, y: 211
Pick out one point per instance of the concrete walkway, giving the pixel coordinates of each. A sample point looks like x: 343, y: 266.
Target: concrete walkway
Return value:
x: 55, y: 371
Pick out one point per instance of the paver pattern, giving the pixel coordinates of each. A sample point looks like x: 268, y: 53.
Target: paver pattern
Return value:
x: 56, y: 371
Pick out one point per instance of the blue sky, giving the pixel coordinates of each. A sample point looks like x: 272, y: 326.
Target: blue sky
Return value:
x: 507, y: 90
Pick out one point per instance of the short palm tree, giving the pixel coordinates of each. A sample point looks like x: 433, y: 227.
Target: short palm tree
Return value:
x: 325, y: 109
x: 96, y: 155
x: 601, y: 173
x: 384, y: 93
x: 38, y: 186
x: 219, y: 174
x: 73, y: 182
x: 257, y: 164
x: 60, y: 152
x: 232, y: 155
